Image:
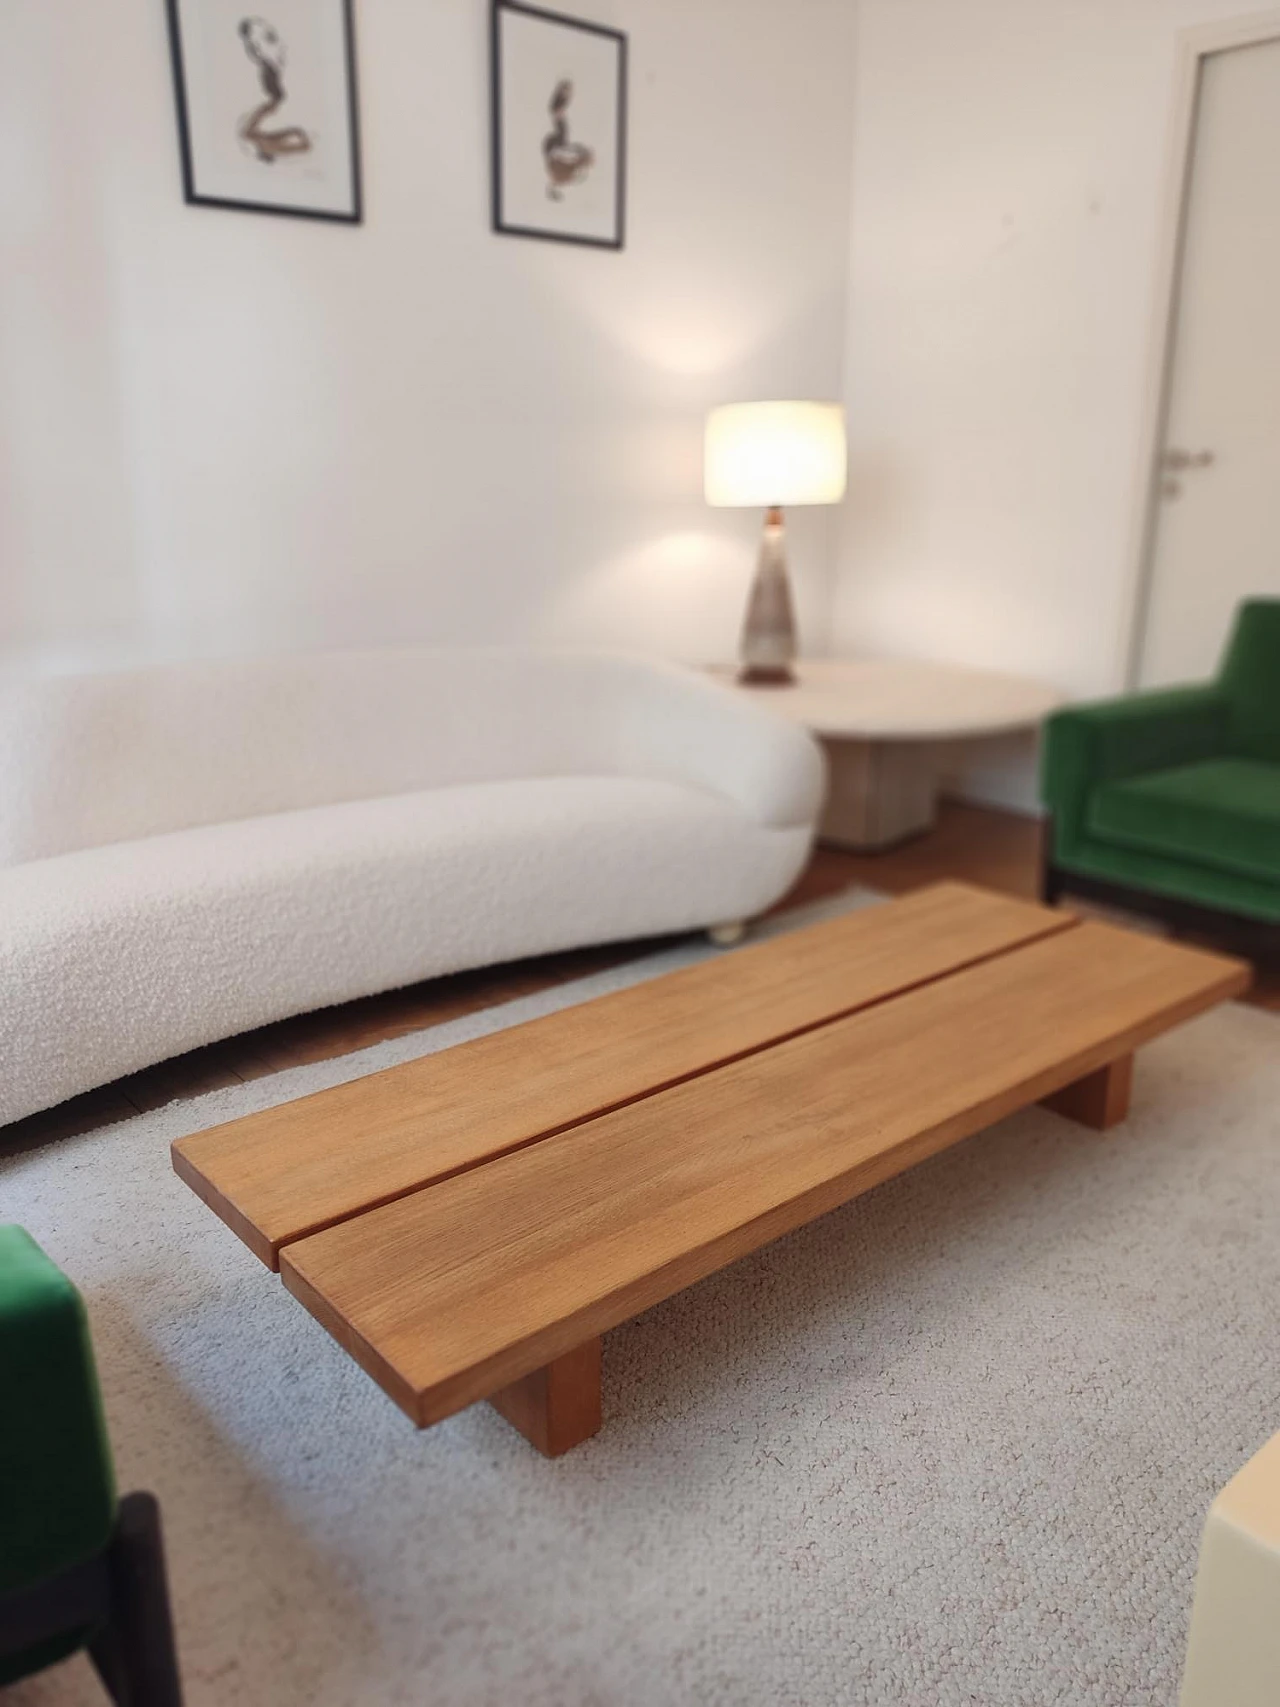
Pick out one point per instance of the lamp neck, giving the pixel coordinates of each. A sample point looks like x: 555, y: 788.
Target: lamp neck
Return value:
x: 773, y: 516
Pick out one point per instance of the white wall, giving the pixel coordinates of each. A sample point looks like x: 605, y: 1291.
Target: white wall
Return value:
x: 227, y: 432
x: 1008, y: 176
x: 223, y: 432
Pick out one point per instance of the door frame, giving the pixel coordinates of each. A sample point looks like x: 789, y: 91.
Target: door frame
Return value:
x: 1193, y: 47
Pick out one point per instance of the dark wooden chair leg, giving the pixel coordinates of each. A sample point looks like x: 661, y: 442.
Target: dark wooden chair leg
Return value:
x: 1100, y: 1099
x: 135, y: 1654
x: 1052, y: 880
x: 558, y: 1406
x: 104, y: 1651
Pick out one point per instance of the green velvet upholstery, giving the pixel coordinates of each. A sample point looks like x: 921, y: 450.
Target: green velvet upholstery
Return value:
x: 1177, y: 792
x: 1251, y: 681
x: 57, y: 1487
x: 1223, y: 813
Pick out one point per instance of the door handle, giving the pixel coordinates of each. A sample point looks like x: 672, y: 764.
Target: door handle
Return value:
x: 1178, y: 461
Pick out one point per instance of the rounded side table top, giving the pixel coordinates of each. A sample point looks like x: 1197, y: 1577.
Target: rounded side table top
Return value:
x: 891, y: 699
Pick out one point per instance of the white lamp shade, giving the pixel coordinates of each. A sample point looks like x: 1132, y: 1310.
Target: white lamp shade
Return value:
x: 759, y: 454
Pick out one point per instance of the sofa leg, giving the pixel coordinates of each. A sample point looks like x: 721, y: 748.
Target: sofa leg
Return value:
x: 727, y: 935
x: 135, y: 1654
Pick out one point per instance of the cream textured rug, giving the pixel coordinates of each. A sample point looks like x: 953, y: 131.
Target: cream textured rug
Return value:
x: 952, y: 1444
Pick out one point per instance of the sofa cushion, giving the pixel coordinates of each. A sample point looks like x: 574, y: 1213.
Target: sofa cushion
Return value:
x: 113, y: 958
x: 1223, y: 813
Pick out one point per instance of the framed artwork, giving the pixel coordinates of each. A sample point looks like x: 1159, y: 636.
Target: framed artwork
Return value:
x: 266, y: 101
x: 559, y: 127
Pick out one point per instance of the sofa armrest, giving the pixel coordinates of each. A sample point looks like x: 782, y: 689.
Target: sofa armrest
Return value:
x: 1085, y: 745
x: 679, y: 724
x: 57, y: 1487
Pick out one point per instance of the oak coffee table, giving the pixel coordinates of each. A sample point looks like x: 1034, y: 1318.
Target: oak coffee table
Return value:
x: 468, y: 1225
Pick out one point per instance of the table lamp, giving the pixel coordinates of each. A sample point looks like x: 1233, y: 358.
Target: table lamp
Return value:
x: 768, y: 455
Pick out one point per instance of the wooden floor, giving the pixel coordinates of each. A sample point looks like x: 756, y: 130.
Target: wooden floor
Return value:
x: 998, y: 849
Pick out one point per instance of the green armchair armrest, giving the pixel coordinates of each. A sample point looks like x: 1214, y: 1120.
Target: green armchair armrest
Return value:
x: 1090, y: 744
x: 57, y: 1488
x: 78, y: 1567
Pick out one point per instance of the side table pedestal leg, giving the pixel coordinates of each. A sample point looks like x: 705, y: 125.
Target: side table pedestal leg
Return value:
x: 879, y: 792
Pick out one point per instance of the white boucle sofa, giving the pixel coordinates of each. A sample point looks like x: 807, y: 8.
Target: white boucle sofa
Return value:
x: 188, y: 852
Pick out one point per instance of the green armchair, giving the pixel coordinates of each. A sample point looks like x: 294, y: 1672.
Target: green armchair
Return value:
x: 78, y: 1567
x: 1169, y: 802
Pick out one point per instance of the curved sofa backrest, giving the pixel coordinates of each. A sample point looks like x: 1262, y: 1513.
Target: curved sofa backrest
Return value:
x: 86, y: 760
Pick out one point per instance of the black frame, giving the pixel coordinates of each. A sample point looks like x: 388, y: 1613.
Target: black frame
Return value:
x: 189, y: 192
x: 118, y: 1600
x: 618, y: 240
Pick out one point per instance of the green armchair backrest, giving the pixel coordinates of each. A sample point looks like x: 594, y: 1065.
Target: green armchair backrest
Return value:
x: 1250, y: 679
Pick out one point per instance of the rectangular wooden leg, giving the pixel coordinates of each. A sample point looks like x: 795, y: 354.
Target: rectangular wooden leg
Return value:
x: 558, y: 1406
x: 1100, y: 1099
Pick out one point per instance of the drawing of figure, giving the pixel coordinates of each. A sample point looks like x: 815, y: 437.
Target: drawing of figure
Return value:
x: 567, y: 162
x: 263, y: 45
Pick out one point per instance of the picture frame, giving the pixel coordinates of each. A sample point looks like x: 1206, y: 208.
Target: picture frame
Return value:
x: 267, y: 106
x: 559, y: 126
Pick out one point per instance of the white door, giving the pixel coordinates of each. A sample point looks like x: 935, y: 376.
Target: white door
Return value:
x: 1218, y: 516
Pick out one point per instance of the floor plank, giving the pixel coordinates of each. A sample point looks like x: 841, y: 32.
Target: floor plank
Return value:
x: 102, y: 1107
x: 1000, y: 850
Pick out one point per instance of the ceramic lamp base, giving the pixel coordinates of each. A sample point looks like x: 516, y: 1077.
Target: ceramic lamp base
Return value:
x: 768, y: 648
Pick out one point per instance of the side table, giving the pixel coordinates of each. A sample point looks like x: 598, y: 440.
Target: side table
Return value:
x: 884, y: 724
